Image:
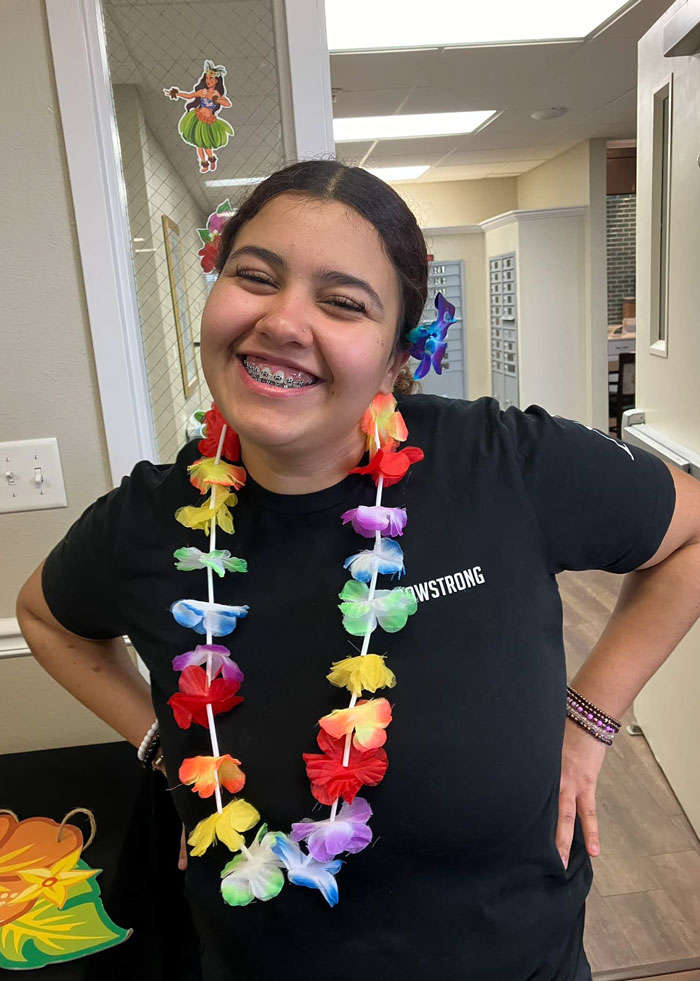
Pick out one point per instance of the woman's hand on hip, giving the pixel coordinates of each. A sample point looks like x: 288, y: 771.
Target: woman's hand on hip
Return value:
x: 581, y: 760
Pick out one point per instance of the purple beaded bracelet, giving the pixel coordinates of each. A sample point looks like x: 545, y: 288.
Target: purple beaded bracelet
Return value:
x: 590, y: 717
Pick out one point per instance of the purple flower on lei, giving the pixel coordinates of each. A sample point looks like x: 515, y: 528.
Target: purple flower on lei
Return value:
x: 220, y: 661
x: 429, y: 341
x: 304, y: 870
x: 348, y: 833
x: 367, y: 520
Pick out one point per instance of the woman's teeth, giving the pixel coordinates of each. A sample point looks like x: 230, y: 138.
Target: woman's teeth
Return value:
x: 279, y: 378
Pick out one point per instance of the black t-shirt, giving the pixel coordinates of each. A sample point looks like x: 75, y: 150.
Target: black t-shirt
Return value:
x: 463, y: 879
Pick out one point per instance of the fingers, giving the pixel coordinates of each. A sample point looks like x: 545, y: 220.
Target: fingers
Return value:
x: 589, y: 823
x: 568, y: 807
x: 565, y: 825
x: 182, y: 857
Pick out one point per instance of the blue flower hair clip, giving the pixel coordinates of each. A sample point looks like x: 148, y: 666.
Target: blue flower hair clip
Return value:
x: 429, y: 341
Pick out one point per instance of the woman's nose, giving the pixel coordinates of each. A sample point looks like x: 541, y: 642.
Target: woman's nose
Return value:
x: 287, y: 320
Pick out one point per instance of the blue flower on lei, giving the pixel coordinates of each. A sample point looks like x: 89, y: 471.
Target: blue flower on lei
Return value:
x: 303, y: 870
x: 202, y: 616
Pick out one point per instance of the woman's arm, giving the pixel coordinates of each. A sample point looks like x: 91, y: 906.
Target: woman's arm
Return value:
x: 175, y: 93
x: 657, y: 605
x: 99, y: 673
x: 223, y: 102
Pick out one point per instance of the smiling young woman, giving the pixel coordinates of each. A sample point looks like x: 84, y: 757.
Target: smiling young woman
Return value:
x: 483, y: 822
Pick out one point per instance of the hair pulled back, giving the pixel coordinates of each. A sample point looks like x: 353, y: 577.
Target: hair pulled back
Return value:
x: 378, y: 203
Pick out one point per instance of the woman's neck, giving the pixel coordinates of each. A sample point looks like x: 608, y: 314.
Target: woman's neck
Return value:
x: 287, y: 471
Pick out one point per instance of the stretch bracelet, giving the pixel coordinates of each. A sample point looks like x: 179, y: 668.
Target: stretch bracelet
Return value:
x: 147, y: 741
x: 582, y: 721
x: 582, y: 704
x: 587, y: 715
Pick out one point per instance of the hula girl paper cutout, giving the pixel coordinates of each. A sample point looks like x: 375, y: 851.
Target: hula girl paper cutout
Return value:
x: 199, y: 126
x: 50, y: 906
x: 209, y: 236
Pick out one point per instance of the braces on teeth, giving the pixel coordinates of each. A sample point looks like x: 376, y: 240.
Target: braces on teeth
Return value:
x: 277, y: 379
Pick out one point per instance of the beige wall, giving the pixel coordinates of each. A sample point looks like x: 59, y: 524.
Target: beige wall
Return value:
x: 49, y: 386
x: 578, y: 178
x: 447, y: 203
x: 667, y: 387
x: 561, y: 182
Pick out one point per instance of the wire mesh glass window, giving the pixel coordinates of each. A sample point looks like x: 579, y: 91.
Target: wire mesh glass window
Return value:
x: 197, y: 102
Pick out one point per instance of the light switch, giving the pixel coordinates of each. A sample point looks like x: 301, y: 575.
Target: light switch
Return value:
x: 31, y: 477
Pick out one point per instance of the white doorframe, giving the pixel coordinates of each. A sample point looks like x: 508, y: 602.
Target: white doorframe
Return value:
x: 99, y: 201
x: 76, y: 32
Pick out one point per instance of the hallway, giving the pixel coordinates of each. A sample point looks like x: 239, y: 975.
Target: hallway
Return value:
x: 643, y: 913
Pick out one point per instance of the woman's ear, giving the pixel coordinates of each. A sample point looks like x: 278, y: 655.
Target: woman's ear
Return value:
x: 395, y: 365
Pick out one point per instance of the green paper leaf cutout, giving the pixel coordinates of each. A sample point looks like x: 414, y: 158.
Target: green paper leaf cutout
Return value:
x: 205, y: 235
x: 46, y: 934
x: 224, y: 206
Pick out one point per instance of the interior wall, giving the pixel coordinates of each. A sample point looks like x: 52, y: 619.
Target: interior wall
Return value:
x: 444, y: 204
x: 667, y: 387
x: 578, y: 178
x: 51, y: 389
x: 560, y: 182
x: 470, y: 249
x: 154, y: 189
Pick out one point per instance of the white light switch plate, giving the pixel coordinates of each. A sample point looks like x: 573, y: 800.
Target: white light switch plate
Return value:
x: 31, y: 477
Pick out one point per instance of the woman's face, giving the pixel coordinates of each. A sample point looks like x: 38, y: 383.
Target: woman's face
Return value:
x: 210, y: 80
x: 298, y: 332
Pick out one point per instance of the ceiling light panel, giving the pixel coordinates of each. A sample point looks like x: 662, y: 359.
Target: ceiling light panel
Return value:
x: 409, y: 126
x: 366, y: 25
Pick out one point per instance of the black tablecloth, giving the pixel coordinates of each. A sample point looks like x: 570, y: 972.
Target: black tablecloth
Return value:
x: 137, y: 845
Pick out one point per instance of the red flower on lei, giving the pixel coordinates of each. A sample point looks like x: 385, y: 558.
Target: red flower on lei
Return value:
x: 190, y: 703
x: 213, y: 422
x: 330, y: 779
x: 392, y: 466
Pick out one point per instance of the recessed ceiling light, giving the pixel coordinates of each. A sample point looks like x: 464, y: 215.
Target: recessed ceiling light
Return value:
x: 234, y: 182
x: 399, y: 173
x: 365, y: 25
x: 409, y: 126
x: 554, y: 113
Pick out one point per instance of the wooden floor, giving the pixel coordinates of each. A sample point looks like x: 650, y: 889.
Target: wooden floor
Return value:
x: 643, y: 912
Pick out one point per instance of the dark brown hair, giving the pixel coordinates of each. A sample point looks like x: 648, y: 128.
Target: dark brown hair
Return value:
x: 378, y: 203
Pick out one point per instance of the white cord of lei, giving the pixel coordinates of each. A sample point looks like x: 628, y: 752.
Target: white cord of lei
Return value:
x: 210, y: 594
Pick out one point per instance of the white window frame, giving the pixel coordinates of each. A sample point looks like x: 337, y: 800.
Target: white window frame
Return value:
x: 658, y: 346
x: 76, y: 33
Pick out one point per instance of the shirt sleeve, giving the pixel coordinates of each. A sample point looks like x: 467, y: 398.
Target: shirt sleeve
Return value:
x: 601, y: 503
x: 80, y: 577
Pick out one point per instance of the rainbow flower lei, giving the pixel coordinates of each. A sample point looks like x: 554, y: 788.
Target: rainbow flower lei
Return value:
x: 351, y: 740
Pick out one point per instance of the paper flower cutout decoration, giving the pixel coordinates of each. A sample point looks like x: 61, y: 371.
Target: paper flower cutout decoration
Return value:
x: 210, y: 238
